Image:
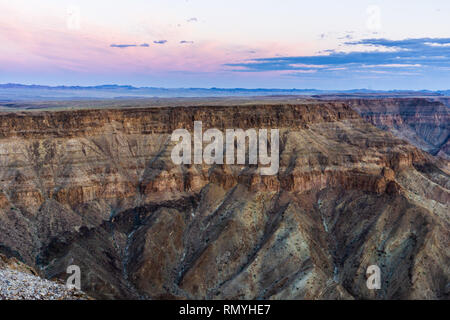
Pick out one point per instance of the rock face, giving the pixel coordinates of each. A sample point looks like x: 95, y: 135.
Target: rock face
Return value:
x: 422, y: 122
x: 98, y: 189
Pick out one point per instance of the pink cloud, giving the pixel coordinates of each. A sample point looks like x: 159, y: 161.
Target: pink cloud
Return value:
x: 49, y: 46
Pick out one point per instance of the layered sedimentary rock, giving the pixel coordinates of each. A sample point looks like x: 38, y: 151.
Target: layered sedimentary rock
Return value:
x: 423, y: 122
x: 98, y: 188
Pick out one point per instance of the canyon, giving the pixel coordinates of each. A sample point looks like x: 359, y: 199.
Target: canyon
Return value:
x: 422, y: 122
x: 360, y: 182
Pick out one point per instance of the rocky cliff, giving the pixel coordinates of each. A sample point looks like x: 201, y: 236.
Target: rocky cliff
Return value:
x: 423, y: 122
x: 97, y: 188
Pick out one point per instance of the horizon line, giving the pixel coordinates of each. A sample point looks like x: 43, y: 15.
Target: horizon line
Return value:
x: 114, y: 85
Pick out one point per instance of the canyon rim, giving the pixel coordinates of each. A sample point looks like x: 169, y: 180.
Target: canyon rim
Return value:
x: 97, y: 188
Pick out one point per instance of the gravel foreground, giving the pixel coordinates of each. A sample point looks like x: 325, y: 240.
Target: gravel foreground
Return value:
x: 20, y: 282
x: 15, y: 285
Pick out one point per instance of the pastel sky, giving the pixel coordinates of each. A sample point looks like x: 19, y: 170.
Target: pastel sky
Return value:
x: 235, y: 43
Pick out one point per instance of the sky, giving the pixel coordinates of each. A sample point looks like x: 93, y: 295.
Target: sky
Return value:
x: 318, y: 44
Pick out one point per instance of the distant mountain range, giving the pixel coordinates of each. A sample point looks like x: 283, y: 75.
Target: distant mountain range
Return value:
x: 13, y: 91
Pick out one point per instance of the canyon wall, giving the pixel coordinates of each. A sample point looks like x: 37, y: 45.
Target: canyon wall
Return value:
x: 423, y: 122
x: 97, y: 188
